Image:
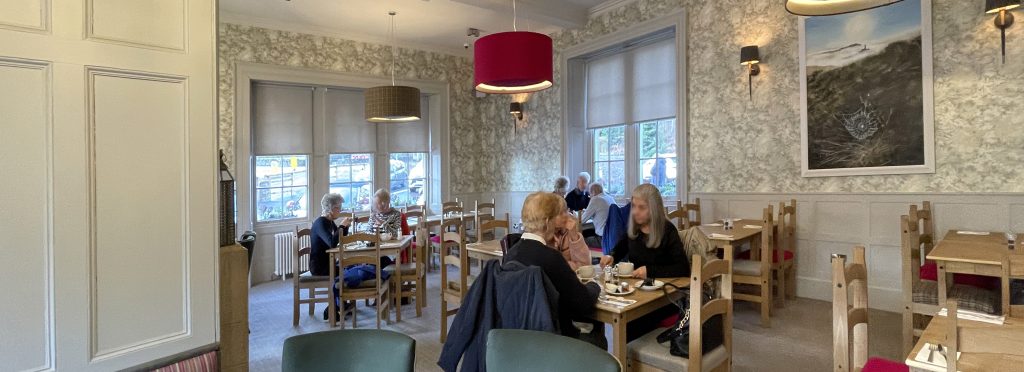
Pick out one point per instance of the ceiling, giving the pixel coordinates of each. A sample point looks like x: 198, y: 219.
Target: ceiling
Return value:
x: 438, y: 25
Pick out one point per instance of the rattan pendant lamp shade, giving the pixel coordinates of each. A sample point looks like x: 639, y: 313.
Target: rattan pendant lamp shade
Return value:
x: 392, y: 103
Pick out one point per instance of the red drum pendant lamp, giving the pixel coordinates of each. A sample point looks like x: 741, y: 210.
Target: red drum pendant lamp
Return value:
x: 512, y: 62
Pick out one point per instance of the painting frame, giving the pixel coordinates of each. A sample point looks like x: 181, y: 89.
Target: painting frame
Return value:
x: 928, y: 115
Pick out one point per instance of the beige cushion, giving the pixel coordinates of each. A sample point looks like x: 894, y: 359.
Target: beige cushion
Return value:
x: 306, y: 277
x: 408, y: 269
x: 967, y: 297
x: 647, y: 350
x: 746, y: 267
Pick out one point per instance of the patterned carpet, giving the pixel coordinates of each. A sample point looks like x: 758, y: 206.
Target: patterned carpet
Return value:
x: 800, y: 337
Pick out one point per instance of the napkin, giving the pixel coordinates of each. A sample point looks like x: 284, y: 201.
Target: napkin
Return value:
x: 964, y: 232
x: 713, y: 224
x: 975, y: 316
x: 937, y: 360
x: 719, y: 236
x: 751, y: 226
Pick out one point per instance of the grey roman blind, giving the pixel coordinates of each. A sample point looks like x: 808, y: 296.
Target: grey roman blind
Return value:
x: 634, y: 85
x: 346, y: 126
x: 282, y: 119
x: 412, y: 136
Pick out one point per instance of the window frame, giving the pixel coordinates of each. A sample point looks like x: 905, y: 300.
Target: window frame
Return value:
x: 256, y: 190
x: 426, y: 176
x: 373, y: 171
x: 639, y: 149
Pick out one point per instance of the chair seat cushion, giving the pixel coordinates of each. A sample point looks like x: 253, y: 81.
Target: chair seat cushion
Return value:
x: 968, y: 297
x: 930, y: 271
x: 647, y: 350
x: 407, y: 269
x: 307, y: 277
x: 745, y: 255
x: 746, y: 267
x: 884, y: 365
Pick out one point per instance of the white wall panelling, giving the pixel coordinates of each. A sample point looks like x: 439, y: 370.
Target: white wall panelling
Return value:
x: 25, y: 15
x: 131, y: 22
x: 27, y: 245
x: 830, y: 223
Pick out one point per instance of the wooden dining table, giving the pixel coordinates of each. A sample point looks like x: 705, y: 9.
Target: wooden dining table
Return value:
x: 937, y: 333
x: 485, y: 250
x: 985, y: 254
x: 721, y: 238
x: 392, y: 247
x: 435, y: 220
x: 619, y: 317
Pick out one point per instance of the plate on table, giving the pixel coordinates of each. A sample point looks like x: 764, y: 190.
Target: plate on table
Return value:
x: 657, y: 285
x: 617, y: 275
x: 616, y: 290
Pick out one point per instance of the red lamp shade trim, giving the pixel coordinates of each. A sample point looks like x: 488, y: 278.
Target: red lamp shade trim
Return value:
x: 512, y: 62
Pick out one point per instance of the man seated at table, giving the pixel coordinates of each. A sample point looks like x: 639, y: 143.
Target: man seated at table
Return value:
x: 578, y: 198
x: 543, y: 215
x: 324, y: 235
x: 597, y: 212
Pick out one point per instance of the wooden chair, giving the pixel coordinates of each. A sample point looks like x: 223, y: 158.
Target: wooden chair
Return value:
x: 916, y: 241
x: 454, y: 254
x: 757, y: 271
x: 412, y: 283
x: 484, y: 212
x: 318, y: 287
x: 852, y: 318
x: 715, y: 276
x: 686, y: 215
x: 420, y: 245
x: 977, y: 340
x: 784, y: 256
x: 487, y: 229
x: 447, y: 209
x: 375, y: 289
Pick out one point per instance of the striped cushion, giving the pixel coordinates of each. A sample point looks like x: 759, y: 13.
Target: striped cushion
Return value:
x: 202, y: 363
x: 970, y: 298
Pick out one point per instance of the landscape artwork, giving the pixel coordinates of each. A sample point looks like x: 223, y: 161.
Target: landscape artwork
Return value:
x: 867, y: 92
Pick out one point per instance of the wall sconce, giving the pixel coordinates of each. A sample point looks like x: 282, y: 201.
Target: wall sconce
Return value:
x: 516, y: 109
x: 1004, y: 19
x: 750, y: 57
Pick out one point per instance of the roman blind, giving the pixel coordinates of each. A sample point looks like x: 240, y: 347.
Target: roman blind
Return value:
x: 413, y: 136
x: 282, y: 119
x: 634, y: 85
x: 346, y: 126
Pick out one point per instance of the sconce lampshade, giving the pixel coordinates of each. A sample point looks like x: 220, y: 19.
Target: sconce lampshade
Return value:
x: 749, y: 55
x: 832, y: 7
x: 392, y: 104
x: 512, y: 62
x: 994, y: 6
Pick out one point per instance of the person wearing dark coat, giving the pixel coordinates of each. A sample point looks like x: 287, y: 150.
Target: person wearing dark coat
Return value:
x: 324, y: 235
x: 578, y: 198
x: 652, y: 244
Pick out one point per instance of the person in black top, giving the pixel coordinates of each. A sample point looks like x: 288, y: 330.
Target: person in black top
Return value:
x: 543, y: 213
x: 578, y: 198
x: 324, y: 235
x: 652, y: 244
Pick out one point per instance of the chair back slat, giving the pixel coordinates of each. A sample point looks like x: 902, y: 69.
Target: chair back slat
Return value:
x: 491, y: 226
x: 787, y: 227
x: 679, y: 215
x: 849, y: 318
x: 299, y: 251
x: 767, y: 239
x: 454, y: 252
x: 716, y: 274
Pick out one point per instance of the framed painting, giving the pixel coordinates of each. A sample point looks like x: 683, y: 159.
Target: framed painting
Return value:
x: 866, y: 92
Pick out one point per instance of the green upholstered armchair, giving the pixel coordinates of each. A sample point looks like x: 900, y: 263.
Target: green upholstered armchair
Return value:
x: 349, y: 350
x: 516, y: 350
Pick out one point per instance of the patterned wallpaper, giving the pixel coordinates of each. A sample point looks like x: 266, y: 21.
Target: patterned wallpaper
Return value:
x: 470, y: 117
x: 739, y: 145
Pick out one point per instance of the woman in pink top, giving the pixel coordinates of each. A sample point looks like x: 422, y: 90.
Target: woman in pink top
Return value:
x: 570, y: 243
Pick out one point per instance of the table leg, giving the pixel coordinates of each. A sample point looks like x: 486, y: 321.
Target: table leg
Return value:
x: 942, y: 283
x: 397, y: 286
x: 619, y: 340
x: 1006, y: 287
x: 331, y: 306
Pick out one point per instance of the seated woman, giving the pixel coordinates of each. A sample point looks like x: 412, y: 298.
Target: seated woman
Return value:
x: 324, y: 235
x: 385, y: 219
x: 652, y: 244
x: 542, y: 216
x: 570, y: 242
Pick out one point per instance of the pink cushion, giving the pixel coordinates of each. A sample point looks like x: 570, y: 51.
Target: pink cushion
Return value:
x: 745, y: 255
x: 930, y: 271
x: 202, y: 363
x: 884, y: 365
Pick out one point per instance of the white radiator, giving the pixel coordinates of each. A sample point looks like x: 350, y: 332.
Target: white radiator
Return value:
x: 284, y: 253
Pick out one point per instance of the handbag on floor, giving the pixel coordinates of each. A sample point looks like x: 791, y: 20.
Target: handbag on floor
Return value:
x: 678, y: 336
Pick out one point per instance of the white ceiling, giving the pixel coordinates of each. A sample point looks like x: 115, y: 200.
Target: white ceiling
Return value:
x: 438, y: 25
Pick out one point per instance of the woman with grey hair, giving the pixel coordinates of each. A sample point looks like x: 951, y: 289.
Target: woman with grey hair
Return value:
x: 652, y: 244
x: 324, y: 235
x: 385, y: 219
x: 561, y: 186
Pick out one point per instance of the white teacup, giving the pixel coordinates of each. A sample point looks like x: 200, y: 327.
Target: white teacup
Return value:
x: 624, y: 268
x: 585, y: 272
x: 385, y: 236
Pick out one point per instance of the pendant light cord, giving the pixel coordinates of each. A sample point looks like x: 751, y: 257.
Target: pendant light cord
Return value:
x: 393, y: 47
x: 515, y: 16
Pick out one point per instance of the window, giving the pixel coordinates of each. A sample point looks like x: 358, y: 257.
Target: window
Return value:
x: 351, y: 175
x: 658, y: 155
x: 408, y: 176
x: 281, y: 187
x: 610, y: 159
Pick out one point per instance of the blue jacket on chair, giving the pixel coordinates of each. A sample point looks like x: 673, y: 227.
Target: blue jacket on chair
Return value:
x: 504, y: 296
x: 615, y: 227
